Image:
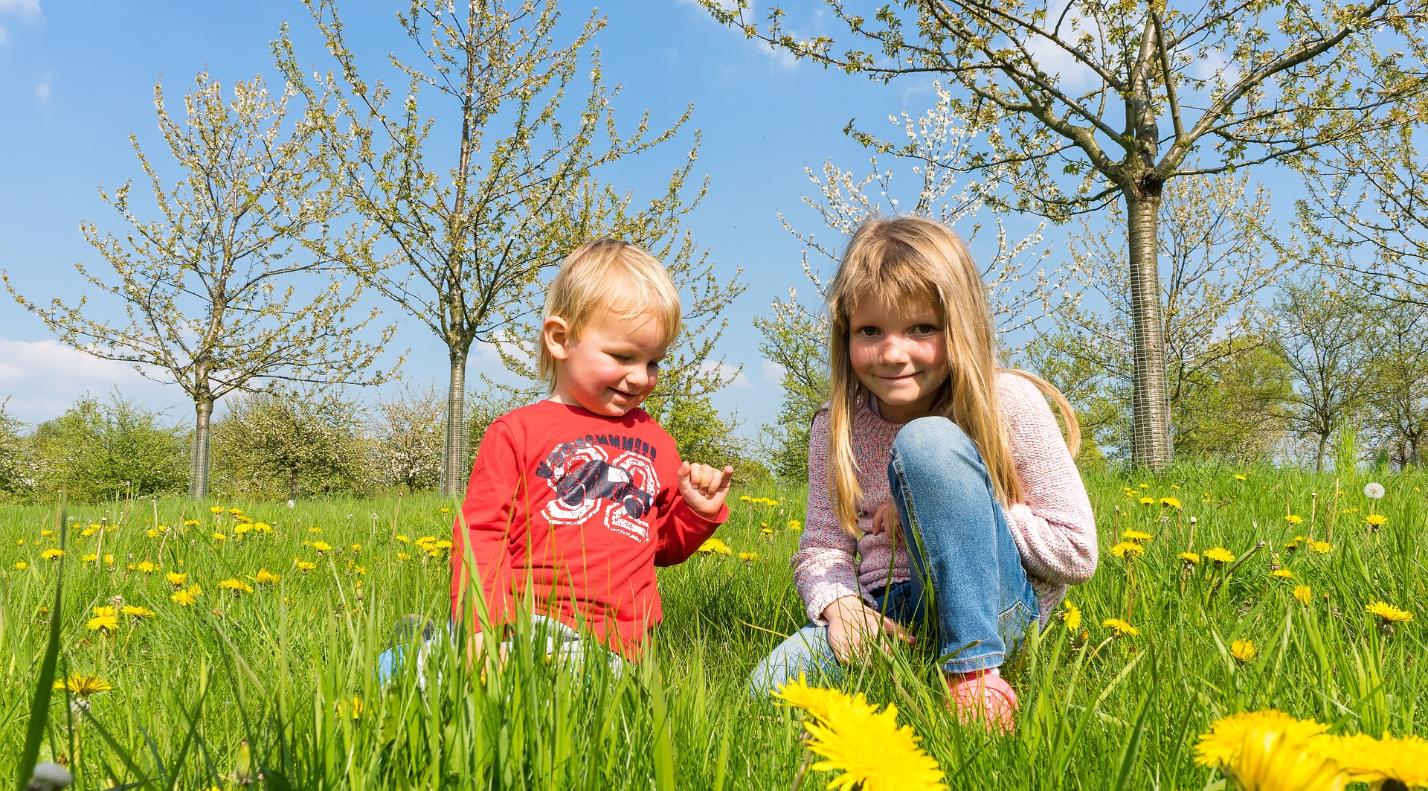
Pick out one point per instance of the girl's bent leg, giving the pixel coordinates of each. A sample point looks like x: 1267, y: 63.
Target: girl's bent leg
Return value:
x: 960, y: 545
x: 805, y: 651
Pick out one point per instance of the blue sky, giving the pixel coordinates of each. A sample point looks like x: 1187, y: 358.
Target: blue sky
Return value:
x: 77, y: 78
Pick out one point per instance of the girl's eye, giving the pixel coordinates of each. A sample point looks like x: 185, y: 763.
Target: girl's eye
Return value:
x: 924, y: 329
x: 867, y: 332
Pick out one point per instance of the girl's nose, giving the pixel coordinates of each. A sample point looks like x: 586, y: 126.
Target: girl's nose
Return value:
x: 891, y: 352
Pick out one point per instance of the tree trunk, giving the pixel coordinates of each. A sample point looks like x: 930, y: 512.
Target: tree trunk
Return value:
x: 1319, y: 456
x: 453, y: 474
x: 198, y: 461
x: 292, y: 484
x: 1150, y: 416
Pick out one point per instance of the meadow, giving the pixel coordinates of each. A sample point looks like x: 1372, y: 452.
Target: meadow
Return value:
x: 241, y: 641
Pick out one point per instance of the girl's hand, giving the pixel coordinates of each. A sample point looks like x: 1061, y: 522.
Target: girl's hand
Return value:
x: 704, y: 488
x: 852, y: 624
x: 885, y: 520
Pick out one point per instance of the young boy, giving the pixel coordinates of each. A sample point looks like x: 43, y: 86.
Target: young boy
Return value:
x: 574, y: 500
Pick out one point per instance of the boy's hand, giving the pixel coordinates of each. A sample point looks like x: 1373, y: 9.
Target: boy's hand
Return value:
x: 704, y: 488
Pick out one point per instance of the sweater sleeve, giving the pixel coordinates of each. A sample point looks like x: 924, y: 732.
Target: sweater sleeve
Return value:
x: 825, y: 566
x: 483, y: 533
x: 1053, y: 526
x: 683, y: 531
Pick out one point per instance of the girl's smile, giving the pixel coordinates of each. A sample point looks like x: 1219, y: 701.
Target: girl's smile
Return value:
x: 899, y: 354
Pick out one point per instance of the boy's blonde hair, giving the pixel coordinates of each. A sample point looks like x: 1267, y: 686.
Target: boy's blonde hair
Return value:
x: 608, y: 274
x: 910, y: 259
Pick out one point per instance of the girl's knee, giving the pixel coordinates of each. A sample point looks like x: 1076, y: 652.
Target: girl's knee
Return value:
x: 930, y: 438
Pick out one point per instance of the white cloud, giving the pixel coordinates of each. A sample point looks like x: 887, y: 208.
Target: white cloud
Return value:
x: 1054, y: 59
x: 42, y: 89
x: 42, y: 379
x: 28, y: 10
x: 739, y: 381
x: 772, y: 371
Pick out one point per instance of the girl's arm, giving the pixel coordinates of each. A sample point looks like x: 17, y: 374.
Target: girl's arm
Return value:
x: 825, y: 566
x: 1053, y: 526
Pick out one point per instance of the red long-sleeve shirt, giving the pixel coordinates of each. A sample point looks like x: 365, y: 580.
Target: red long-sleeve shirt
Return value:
x: 571, y: 511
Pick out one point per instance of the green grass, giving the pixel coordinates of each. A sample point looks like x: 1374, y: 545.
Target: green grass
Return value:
x: 262, y: 684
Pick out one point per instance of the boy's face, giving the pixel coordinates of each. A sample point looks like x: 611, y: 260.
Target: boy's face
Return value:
x: 611, y: 367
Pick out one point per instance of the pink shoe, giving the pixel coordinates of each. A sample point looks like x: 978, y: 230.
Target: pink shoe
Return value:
x: 982, y: 697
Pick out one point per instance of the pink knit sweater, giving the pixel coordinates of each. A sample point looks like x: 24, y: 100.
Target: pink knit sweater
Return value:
x: 1053, y: 527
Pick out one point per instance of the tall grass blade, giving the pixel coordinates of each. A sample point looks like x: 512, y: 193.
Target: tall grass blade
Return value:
x: 44, y: 685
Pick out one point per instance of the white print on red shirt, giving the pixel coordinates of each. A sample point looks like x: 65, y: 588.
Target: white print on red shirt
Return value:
x: 584, y: 480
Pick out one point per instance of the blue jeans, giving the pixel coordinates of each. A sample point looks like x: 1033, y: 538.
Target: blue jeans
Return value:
x: 968, y: 587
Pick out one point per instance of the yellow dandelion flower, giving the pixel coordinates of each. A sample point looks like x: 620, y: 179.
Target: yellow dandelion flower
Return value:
x: 1376, y: 520
x: 1303, y: 594
x: 90, y: 558
x: 869, y: 751
x: 144, y: 567
x: 304, y: 565
x: 236, y: 585
x: 403, y: 539
x: 714, y: 546
x: 1120, y: 628
x: 320, y: 546
x: 1239, y: 476
x: 1221, y: 745
x: 1192, y: 558
x: 795, y: 525
x: 748, y: 557
x: 1295, y: 543
x: 262, y: 527
x: 235, y: 511
x: 21, y: 565
x: 185, y: 597
x: 1219, y: 555
x: 404, y: 556
x: 108, y: 559
x: 1388, y: 613
x: 1272, y: 760
x: 219, y: 537
x: 135, y: 611
x: 89, y: 531
x: 82, y: 686
x: 1145, y: 486
x: 1070, y: 615
x: 153, y: 532
x: 1147, y: 501
x: 1282, y: 574
x: 191, y: 523
x: 1321, y: 547
x: 1136, y: 535
x: 1170, y: 502
x: 1294, y: 519
x: 1243, y: 650
x: 176, y: 578
x: 815, y: 701
x: 768, y: 531
x: 107, y: 622
x: 1127, y: 549
x: 314, y: 530
x: 265, y: 577
x: 52, y: 554
x: 242, y: 528
x: 215, y: 509
x: 1403, y: 760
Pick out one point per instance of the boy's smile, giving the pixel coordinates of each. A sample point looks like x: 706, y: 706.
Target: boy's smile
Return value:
x: 612, y: 367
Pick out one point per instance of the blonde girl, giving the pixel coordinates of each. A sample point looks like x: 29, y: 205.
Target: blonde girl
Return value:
x: 941, y: 491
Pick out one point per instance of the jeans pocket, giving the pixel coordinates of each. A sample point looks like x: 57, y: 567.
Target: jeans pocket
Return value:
x: 1012, y: 624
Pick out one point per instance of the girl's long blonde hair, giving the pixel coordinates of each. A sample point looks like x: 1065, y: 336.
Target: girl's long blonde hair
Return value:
x: 913, y: 259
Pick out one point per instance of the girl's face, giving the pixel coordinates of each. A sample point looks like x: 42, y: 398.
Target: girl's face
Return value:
x: 899, y: 354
